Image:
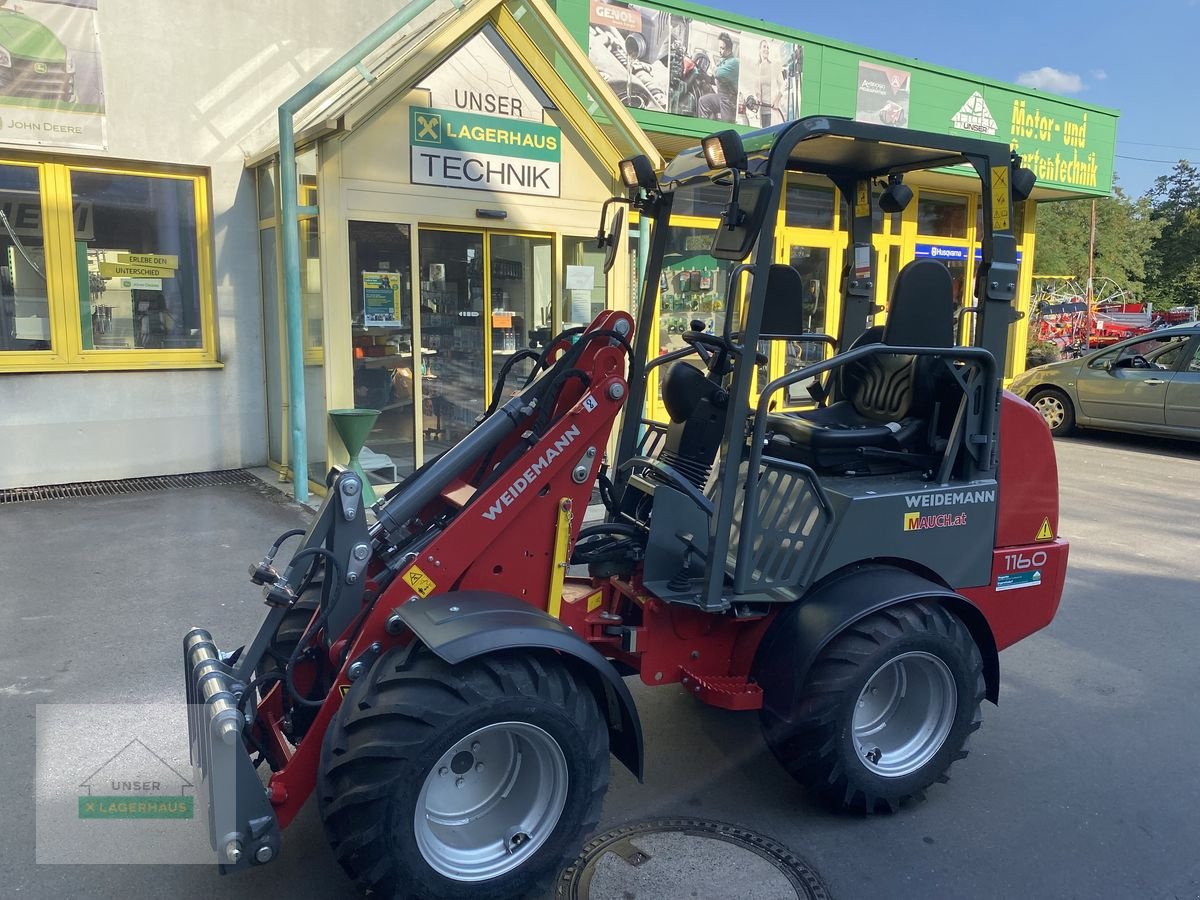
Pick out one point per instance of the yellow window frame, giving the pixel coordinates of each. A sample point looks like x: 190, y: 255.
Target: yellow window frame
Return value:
x: 62, y: 279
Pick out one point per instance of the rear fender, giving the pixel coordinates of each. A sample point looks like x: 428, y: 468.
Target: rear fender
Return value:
x: 467, y: 624
x: 801, y: 631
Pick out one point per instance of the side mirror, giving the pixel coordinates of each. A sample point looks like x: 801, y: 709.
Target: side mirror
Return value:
x: 609, y: 241
x: 742, y: 219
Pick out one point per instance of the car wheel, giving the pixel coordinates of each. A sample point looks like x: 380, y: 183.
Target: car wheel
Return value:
x: 1056, y: 409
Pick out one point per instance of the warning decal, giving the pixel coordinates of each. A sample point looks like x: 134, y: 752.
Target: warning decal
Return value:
x: 1045, y: 533
x: 419, y: 581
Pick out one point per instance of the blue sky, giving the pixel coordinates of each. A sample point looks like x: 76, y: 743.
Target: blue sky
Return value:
x: 1141, y: 57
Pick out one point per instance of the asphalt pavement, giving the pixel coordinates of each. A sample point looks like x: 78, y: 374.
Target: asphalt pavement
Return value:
x: 1082, y: 783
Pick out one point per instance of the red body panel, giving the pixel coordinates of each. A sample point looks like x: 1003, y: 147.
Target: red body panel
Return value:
x: 1027, y: 584
x: 1028, y: 475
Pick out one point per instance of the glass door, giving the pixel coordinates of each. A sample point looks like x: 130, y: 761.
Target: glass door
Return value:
x: 385, y: 362
x: 522, y: 304
x: 453, y: 337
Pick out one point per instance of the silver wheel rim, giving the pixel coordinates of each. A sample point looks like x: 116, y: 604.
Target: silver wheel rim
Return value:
x: 1052, y: 409
x: 491, y: 801
x: 904, y: 714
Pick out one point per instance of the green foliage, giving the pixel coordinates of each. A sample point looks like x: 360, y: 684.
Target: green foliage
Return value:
x: 1174, y: 261
x: 1125, y: 234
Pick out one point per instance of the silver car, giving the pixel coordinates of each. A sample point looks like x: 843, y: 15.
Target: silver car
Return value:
x: 1148, y: 384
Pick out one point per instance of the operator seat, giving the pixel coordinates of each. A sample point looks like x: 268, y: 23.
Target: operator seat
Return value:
x: 887, y: 399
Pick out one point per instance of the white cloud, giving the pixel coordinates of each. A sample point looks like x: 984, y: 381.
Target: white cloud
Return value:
x: 1098, y: 74
x: 1048, y: 78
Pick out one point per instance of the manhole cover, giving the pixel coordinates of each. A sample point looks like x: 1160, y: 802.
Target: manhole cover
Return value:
x: 687, y: 859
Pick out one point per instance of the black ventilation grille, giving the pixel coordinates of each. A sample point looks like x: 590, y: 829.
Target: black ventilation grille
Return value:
x: 125, y: 486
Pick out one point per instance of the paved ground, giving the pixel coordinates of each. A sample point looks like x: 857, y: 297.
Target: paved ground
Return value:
x: 1081, y: 784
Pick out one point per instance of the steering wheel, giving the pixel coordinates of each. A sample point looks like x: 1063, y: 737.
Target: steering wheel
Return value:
x: 1139, y: 362
x: 720, y: 344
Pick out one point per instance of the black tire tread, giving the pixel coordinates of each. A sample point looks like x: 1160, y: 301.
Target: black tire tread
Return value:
x: 408, y: 701
x: 807, y: 748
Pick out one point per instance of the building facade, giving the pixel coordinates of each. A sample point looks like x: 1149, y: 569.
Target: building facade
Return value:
x: 448, y: 190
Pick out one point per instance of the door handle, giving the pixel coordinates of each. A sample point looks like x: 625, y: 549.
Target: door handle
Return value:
x: 1153, y: 381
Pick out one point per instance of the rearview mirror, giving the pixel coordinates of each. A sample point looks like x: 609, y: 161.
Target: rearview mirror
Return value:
x: 742, y: 219
x: 610, y: 240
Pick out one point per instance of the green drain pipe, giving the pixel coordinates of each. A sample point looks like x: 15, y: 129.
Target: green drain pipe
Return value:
x: 291, y: 210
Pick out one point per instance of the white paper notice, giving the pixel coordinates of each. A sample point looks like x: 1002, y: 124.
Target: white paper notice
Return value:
x: 581, y: 277
x: 581, y: 303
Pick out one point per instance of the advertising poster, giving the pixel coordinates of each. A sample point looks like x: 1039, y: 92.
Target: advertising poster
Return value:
x: 51, y: 90
x: 689, y: 67
x: 883, y: 95
x: 381, y: 299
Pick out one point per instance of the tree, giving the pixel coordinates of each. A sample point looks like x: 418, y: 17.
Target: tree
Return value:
x: 1125, y: 235
x: 1175, y: 258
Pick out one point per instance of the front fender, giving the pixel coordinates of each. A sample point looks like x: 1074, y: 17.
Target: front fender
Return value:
x: 467, y: 624
x: 800, y: 632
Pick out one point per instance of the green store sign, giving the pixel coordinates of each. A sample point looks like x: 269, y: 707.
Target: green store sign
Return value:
x: 449, y: 129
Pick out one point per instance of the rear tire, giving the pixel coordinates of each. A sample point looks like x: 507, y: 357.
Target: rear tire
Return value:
x: 1056, y: 409
x: 468, y: 781
x: 886, y: 708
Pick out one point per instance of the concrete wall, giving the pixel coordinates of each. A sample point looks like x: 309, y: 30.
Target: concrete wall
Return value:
x: 185, y: 83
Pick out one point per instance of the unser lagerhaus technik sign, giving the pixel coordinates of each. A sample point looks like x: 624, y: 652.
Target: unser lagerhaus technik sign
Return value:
x: 484, y: 128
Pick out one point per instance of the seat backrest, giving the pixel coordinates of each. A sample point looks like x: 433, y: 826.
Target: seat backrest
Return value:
x: 888, y: 387
x: 921, y: 313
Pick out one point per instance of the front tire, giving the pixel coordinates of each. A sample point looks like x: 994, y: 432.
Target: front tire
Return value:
x: 467, y: 781
x: 1056, y: 408
x: 886, y: 708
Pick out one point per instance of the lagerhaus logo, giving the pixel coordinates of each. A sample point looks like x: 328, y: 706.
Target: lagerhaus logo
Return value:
x: 136, y: 783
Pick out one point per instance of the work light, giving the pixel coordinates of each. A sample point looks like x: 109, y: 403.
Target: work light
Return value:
x: 637, y: 171
x: 896, y: 196
x: 724, y: 150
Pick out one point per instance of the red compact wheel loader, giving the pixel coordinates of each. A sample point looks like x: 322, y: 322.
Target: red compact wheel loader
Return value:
x: 445, y: 670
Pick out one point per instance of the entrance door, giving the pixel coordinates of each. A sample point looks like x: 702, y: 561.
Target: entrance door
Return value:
x: 484, y: 296
x: 385, y: 367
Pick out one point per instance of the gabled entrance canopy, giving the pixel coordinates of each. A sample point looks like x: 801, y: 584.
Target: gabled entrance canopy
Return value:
x: 390, y: 62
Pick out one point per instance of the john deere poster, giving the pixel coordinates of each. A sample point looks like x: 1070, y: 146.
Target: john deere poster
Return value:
x: 665, y: 62
x: 51, y: 90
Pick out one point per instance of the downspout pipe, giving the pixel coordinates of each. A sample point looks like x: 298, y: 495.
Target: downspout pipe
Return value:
x: 289, y: 221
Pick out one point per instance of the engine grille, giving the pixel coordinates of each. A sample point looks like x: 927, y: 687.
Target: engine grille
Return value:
x: 125, y: 486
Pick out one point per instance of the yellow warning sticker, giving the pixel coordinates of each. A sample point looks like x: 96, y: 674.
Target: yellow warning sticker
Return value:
x: 345, y: 689
x: 1045, y: 533
x: 419, y: 581
x: 862, y: 201
x: 594, y: 601
x: 1000, y: 220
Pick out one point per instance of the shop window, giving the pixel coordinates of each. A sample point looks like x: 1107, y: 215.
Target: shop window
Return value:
x: 942, y: 215
x: 709, y: 201
x: 24, y: 298
x: 142, y: 270
x: 808, y: 205
x: 103, y: 269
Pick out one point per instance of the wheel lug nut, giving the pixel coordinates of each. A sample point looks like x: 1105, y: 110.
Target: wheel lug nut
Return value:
x: 475, y: 746
x: 478, y: 767
x: 443, y: 772
x: 458, y: 782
